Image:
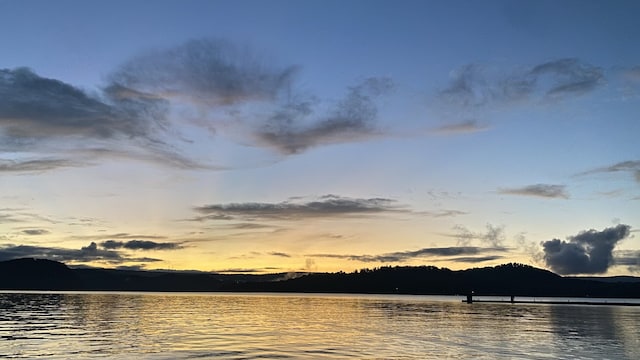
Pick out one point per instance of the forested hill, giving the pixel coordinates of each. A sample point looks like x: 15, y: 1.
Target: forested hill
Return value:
x: 510, y: 279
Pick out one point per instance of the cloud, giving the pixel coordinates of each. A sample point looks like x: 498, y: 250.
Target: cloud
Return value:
x: 628, y: 258
x: 474, y: 259
x: 139, y: 245
x: 539, y: 190
x: 289, y: 131
x: 493, y: 236
x: 569, y: 76
x: 465, y: 127
x: 204, y: 71
x: 64, y: 126
x: 35, y: 232
x: 87, y: 253
x: 121, y: 236
x: 37, y: 108
x: 589, y: 252
x: 631, y: 166
x: 443, y: 213
x: 475, y: 85
x: 280, y: 254
x: 402, y: 256
x: 632, y: 74
x: 36, y: 165
x: 325, y: 207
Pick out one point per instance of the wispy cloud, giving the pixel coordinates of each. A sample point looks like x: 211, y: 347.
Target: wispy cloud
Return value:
x: 538, y: 190
x: 140, y: 245
x: 403, y: 256
x: 443, y: 213
x: 494, y: 235
x: 35, y: 107
x: 36, y: 165
x: 325, y: 207
x: 280, y: 254
x: 35, y: 232
x: 569, y: 77
x: 474, y: 259
x: 205, y: 71
x: 628, y: 258
x: 119, y: 236
x: 295, y: 127
x: 465, y: 127
x: 631, y: 166
x: 476, y: 85
x: 589, y: 252
x: 87, y: 253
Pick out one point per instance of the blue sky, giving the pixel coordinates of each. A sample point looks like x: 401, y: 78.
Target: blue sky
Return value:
x: 268, y: 136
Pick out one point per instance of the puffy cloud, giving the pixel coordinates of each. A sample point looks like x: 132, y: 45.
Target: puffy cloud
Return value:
x: 539, y: 190
x: 589, y: 252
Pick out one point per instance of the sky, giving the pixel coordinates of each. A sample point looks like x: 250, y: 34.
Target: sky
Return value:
x: 284, y: 136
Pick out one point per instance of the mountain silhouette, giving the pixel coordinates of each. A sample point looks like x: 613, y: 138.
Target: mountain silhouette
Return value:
x: 507, y: 280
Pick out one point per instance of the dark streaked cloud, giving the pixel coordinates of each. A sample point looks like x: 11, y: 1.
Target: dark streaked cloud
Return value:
x: 204, y: 71
x: 538, y: 190
x: 35, y: 107
x: 35, y: 232
x: 628, y: 258
x: 476, y: 85
x: 280, y: 254
x: 569, y: 76
x: 443, y: 213
x: 465, y: 127
x: 326, y: 206
x: 589, y: 252
x: 120, y: 236
x: 631, y: 166
x: 402, y: 256
x: 36, y: 165
x: 290, y: 130
x: 139, y: 245
x: 87, y: 253
x: 474, y: 259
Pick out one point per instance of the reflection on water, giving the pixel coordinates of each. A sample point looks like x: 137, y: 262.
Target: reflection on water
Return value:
x: 245, y: 326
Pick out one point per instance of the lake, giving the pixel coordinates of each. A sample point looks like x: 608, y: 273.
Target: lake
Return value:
x: 307, y: 326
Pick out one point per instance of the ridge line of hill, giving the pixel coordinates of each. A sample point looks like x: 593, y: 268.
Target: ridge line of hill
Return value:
x: 507, y: 279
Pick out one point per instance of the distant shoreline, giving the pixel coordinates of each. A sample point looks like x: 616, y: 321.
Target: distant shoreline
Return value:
x: 507, y: 280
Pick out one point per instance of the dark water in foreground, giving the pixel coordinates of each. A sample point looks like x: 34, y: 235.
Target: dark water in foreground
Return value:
x: 298, y: 326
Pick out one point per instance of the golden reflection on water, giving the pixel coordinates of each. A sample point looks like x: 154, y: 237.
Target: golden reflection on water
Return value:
x: 297, y: 326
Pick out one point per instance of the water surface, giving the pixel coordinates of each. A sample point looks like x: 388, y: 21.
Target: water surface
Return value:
x: 299, y: 326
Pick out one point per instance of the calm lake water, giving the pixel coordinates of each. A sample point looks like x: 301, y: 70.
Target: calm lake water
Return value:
x: 299, y: 326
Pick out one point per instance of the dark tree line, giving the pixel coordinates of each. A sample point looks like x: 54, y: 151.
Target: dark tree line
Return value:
x: 506, y: 280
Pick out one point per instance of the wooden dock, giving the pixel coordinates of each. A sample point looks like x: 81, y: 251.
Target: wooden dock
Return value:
x: 470, y: 300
